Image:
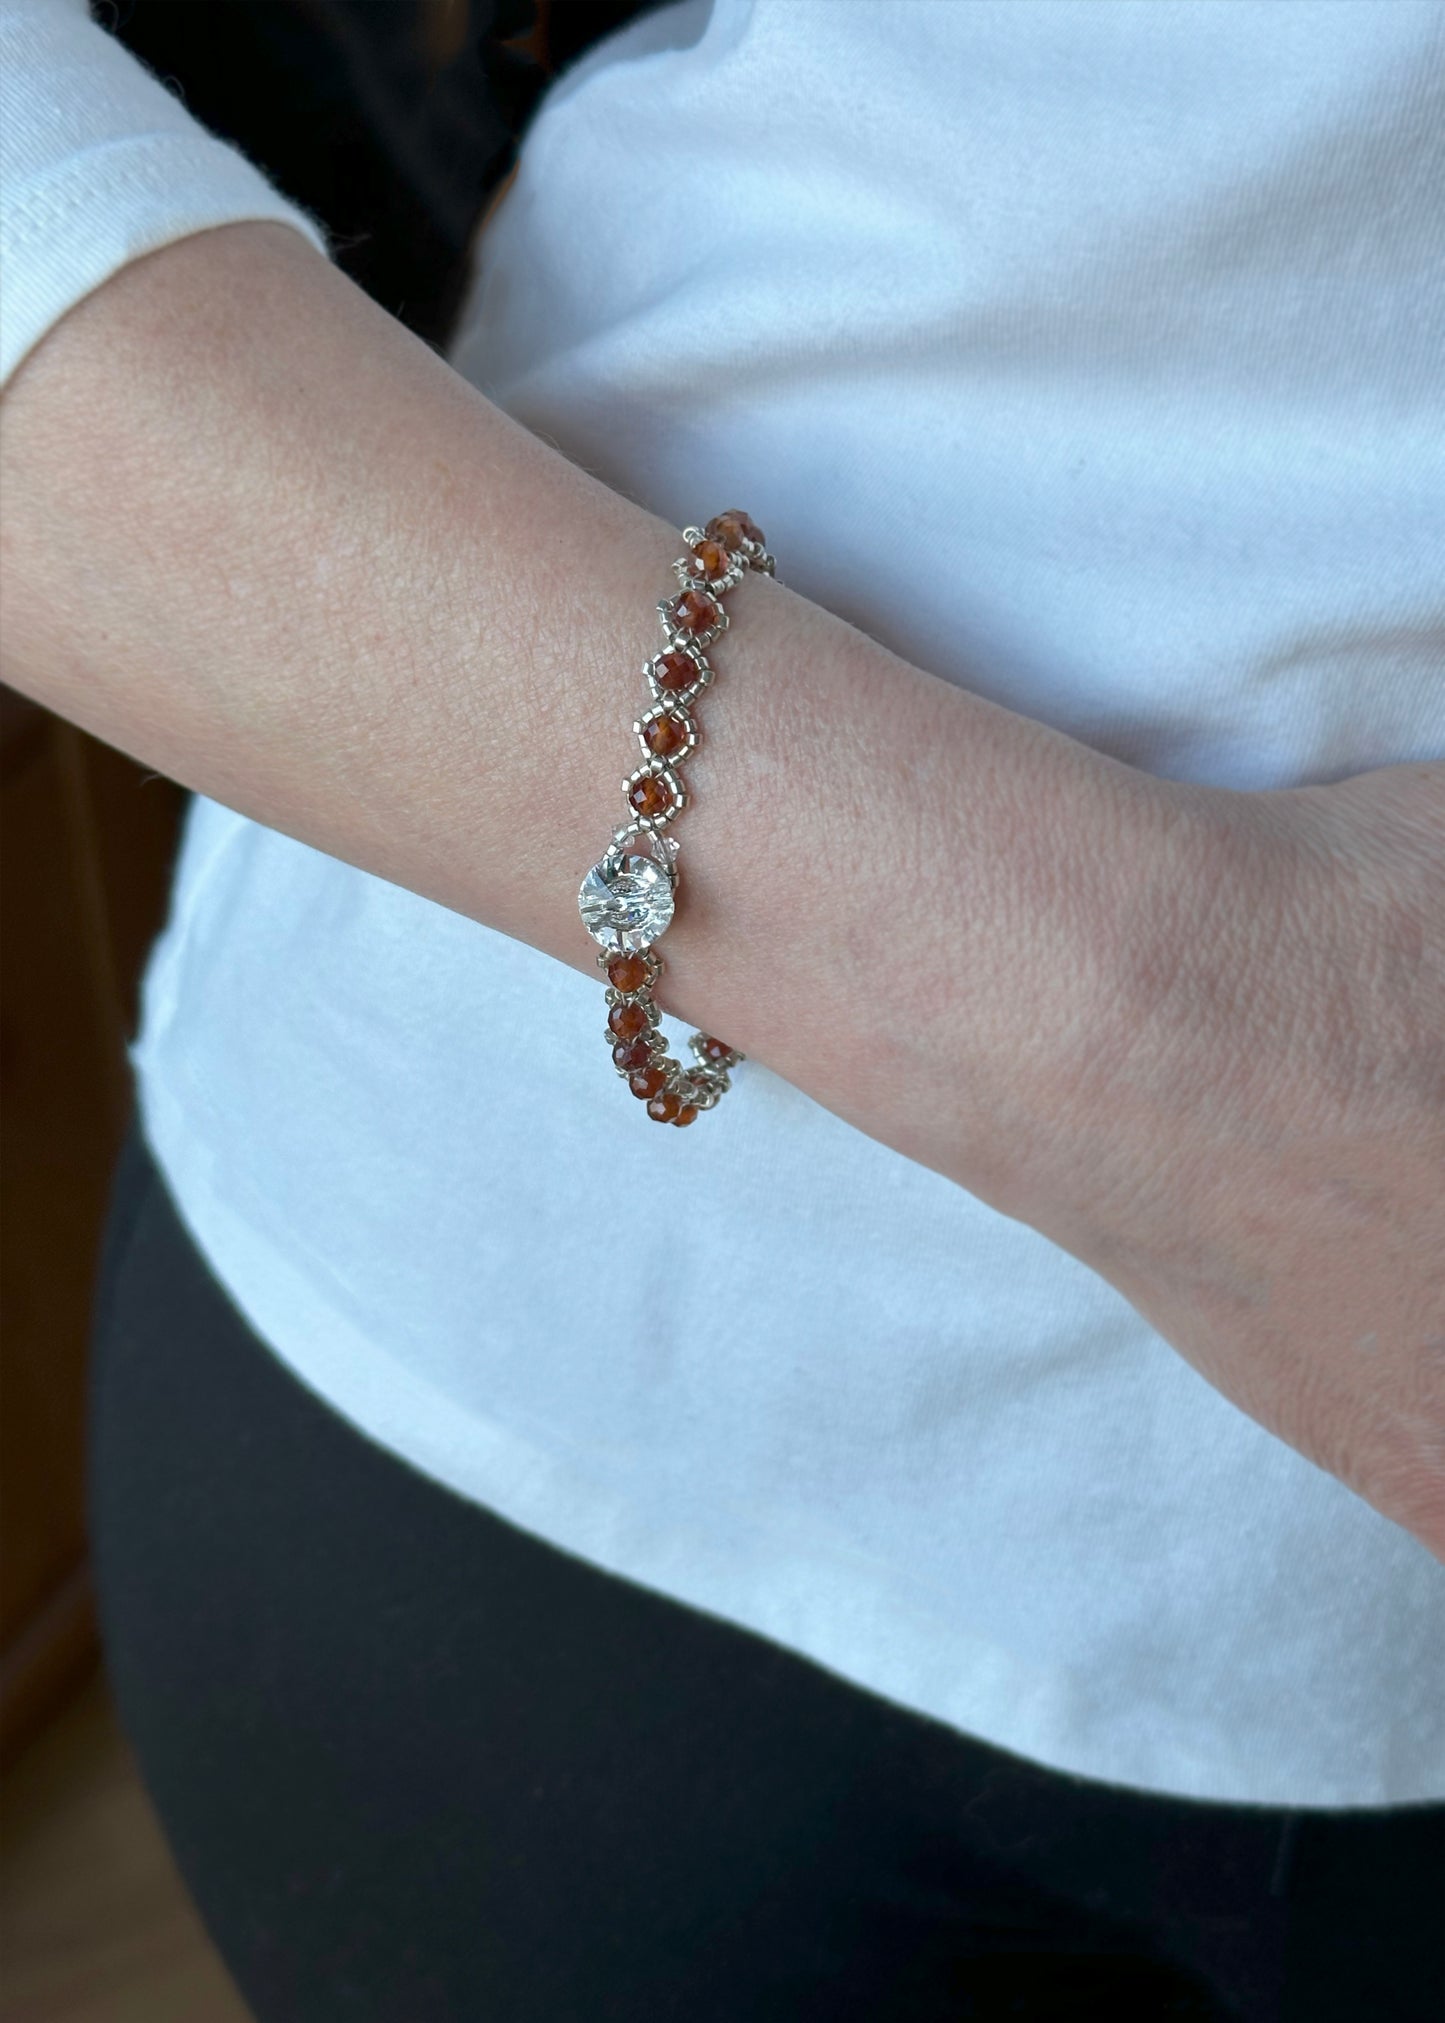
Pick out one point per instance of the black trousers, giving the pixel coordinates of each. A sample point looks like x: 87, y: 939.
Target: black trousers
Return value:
x: 416, y: 1765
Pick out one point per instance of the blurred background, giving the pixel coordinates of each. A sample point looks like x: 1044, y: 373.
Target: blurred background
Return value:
x: 395, y: 123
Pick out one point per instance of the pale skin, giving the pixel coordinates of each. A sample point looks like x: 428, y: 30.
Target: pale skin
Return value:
x: 262, y: 539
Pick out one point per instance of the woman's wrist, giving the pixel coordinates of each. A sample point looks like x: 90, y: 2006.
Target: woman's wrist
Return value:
x: 922, y: 909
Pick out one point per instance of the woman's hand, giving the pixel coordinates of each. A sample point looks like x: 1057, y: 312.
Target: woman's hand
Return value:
x: 1262, y: 1170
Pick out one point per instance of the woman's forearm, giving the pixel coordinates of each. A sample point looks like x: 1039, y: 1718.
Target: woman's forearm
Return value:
x: 264, y: 540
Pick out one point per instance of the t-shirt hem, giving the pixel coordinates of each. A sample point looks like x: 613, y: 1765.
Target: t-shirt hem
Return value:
x: 59, y: 242
x: 737, y: 1568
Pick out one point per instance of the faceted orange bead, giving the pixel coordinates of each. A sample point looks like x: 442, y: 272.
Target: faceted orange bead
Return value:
x: 627, y: 972
x: 676, y: 669
x: 662, y: 1109
x: 733, y: 528
x: 631, y: 1054
x: 708, y: 561
x: 650, y: 795
x: 627, y: 1020
x: 665, y: 735
x: 685, y: 1115
x: 646, y: 1083
x: 714, y: 1050
x: 696, y: 613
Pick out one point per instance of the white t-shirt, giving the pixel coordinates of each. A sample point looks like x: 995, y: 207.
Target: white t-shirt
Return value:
x: 1088, y: 354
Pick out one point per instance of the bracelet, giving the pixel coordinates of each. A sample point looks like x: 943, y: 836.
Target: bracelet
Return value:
x: 628, y: 898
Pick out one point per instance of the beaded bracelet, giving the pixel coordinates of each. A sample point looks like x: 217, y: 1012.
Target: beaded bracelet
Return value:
x: 627, y: 900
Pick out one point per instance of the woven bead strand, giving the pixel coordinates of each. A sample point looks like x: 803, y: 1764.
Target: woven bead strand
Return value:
x: 627, y: 901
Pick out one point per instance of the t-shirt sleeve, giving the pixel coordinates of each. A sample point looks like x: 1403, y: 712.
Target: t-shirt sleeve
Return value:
x: 99, y: 164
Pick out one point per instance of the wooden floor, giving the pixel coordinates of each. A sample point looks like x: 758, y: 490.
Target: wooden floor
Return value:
x: 94, y: 1924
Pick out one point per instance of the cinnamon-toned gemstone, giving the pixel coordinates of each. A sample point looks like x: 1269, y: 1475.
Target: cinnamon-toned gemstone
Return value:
x: 708, y: 561
x: 685, y: 1115
x: 650, y: 795
x: 714, y: 1050
x: 662, y: 1109
x: 627, y: 972
x: 646, y: 1083
x: 631, y: 1054
x: 665, y: 735
x: 627, y: 1020
x: 676, y: 669
x: 733, y: 528
x: 695, y: 612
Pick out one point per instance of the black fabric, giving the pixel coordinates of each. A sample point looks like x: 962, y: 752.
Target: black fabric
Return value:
x: 417, y: 1765
x: 390, y: 121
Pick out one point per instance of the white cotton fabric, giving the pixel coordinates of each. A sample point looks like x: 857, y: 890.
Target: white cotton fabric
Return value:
x: 1089, y: 355
x: 98, y: 165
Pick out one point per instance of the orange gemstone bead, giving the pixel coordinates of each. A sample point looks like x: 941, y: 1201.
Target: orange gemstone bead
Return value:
x: 685, y: 1115
x: 696, y: 613
x: 676, y: 669
x: 714, y: 1050
x: 733, y: 528
x: 708, y: 561
x: 646, y: 1083
x: 627, y: 1020
x: 631, y: 1054
x: 665, y: 735
x: 627, y: 972
x: 650, y: 795
x: 664, y: 1108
